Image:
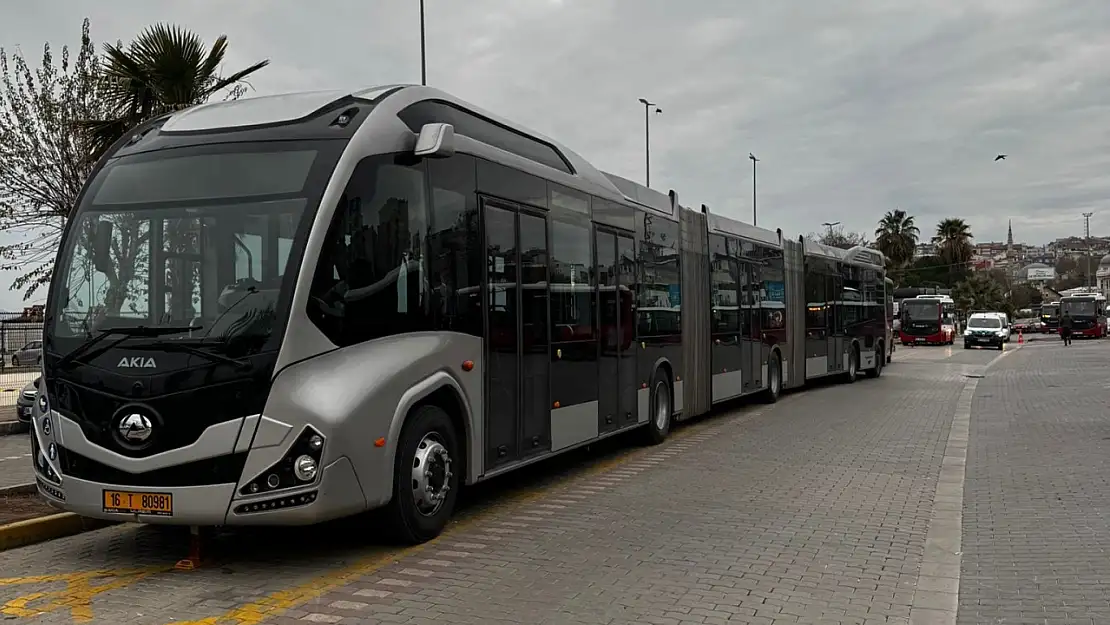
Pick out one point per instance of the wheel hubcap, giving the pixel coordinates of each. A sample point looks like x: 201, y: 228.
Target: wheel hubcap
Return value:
x: 662, y: 406
x: 431, y: 475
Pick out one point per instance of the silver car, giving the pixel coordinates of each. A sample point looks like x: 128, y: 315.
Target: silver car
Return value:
x: 29, y: 354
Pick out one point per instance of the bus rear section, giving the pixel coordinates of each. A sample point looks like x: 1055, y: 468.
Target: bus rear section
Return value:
x: 924, y: 323
x: 1088, y: 315
x: 1050, y: 318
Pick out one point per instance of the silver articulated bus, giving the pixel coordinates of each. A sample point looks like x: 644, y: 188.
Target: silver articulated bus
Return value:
x: 288, y: 309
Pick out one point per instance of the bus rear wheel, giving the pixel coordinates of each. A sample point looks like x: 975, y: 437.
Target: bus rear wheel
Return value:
x: 425, y: 476
x: 661, y: 409
x: 774, y: 379
x: 880, y: 359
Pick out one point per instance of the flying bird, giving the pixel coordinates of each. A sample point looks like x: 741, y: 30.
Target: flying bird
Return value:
x: 1000, y: 157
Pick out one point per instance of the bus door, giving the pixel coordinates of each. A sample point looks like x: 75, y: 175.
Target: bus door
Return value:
x: 616, y: 356
x: 751, y: 336
x: 518, y: 408
x: 834, y: 285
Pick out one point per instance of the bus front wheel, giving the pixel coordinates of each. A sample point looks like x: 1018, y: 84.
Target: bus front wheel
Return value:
x: 426, y: 476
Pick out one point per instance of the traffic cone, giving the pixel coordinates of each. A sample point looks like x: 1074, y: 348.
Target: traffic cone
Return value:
x: 1021, y: 338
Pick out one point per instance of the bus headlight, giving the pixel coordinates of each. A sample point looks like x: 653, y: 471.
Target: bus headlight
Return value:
x: 298, y: 467
x: 305, y: 469
x: 44, y: 404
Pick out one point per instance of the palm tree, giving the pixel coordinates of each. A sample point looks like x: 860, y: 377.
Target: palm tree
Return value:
x: 896, y: 237
x: 164, y: 69
x: 953, y: 241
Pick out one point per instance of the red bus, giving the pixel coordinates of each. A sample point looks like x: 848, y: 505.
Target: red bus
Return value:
x: 928, y: 320
x: 1088, y: 314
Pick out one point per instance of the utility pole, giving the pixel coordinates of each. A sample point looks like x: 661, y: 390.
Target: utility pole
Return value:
x: 423, y: 53
x: 754, y: 161
x: 1087, y: 237
x: 647, y: 138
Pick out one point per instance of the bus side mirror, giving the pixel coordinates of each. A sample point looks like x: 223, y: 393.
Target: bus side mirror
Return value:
x: 102, y: 246
x: 435, y: 141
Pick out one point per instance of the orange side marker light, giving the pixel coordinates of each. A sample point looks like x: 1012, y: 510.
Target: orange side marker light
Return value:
x: 380, y: 442
x: 468, y: 365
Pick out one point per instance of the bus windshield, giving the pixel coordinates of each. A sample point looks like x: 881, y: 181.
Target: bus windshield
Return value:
x: 921, y: 310
x: 1050, y: 310
x: 198, y: 238
x: 1080, y: 307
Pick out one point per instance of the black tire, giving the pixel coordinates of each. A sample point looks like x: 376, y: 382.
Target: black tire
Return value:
x: 967, y: 346
x: 406, y: 522
x: 880, y: 356
x: 774, y: 379
x: 853, y: 365
x: 15, y: 361
x: 660, y: 409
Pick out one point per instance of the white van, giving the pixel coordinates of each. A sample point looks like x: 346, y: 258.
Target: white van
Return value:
x: 1005, y: 323
x: 985, y: 329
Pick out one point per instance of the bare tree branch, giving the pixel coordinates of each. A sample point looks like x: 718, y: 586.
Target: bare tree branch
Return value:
x: 44, y: 158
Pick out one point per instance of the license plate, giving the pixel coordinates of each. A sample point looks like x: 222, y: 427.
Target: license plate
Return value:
x: 919, y: 340
x: 157, y: 504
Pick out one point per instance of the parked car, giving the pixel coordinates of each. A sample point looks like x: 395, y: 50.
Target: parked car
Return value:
x: 24, y: 405
x: 29, y: 354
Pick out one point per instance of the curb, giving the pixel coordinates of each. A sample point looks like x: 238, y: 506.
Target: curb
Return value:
x: 11, y: 427
x: 42, y: 529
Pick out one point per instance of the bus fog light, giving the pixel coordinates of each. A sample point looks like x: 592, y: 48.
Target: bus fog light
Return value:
x: 305, y: 468
x: 44, y: 404
x: 316, y: 443
x: 52, y: 451
x: 273, y: 481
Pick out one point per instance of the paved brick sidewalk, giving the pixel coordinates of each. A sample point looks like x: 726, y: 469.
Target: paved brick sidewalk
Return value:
x: 15, y: 460
x: 1037, y: 496
x: 815, y: 510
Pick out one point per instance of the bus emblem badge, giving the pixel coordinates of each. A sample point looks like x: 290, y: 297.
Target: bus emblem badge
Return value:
x: 135, y: 428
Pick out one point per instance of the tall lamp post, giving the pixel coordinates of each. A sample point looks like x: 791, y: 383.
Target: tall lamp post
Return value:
x: 423, y: 53
x: 829, y: 225
x: 647, y: 138
x: 754, y: 161
x: 1087, y: 236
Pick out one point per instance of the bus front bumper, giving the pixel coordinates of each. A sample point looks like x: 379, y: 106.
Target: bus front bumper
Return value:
x: 335, y: 493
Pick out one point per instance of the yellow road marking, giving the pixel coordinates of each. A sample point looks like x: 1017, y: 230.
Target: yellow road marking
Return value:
x: 77, y: 595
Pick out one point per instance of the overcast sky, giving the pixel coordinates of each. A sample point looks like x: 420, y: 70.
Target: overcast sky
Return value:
x: 855, y: 107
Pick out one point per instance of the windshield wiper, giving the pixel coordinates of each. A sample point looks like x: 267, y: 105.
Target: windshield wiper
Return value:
x: 189, y: 349
x: 127, y: 332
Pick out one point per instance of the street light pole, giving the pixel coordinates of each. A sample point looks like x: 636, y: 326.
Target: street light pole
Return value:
x: 1087, y: 236
x: 423, y: 54
x: 647, y: 138
x: 829, y: 225
x: 754, y: 161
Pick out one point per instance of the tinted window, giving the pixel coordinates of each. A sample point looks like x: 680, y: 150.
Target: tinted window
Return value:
x: 572, y: 282
x: 660, y: 296
x: 224, y: 175
x: 484, y: 130
x: 511, y: 184
x: 773, y: 302
x: 816, y: 298
x: 454, y: 274
x: 371, y: 279
x: 724, y: 286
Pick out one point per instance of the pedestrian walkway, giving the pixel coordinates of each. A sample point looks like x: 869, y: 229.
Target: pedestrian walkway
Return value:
x: 15, y: 460
x: 1037, y: 498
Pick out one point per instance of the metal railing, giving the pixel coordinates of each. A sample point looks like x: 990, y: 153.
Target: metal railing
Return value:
x: 20, y: 357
